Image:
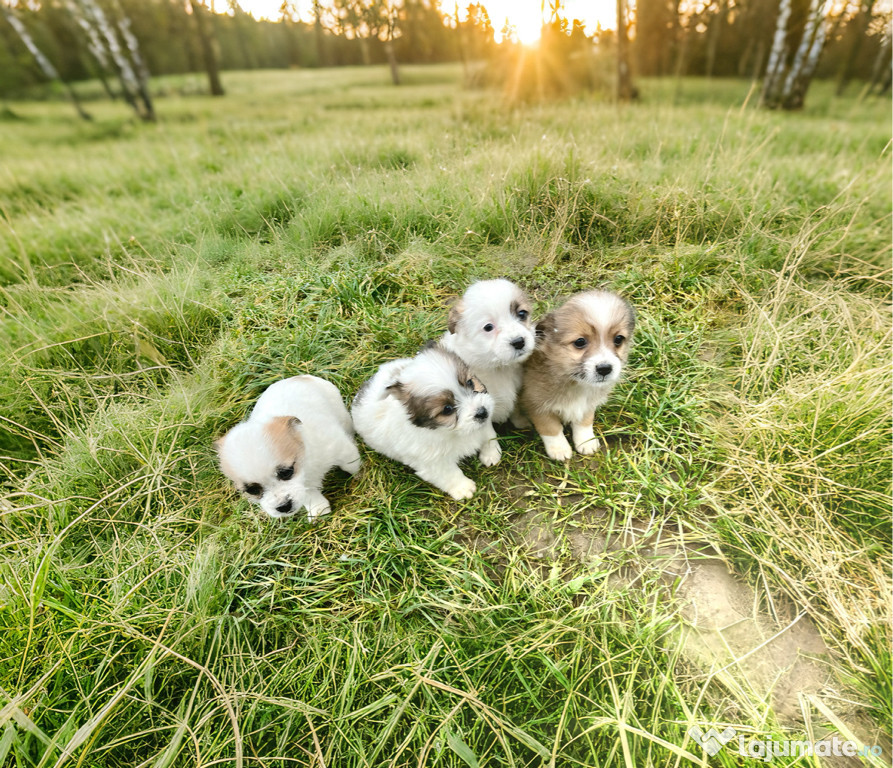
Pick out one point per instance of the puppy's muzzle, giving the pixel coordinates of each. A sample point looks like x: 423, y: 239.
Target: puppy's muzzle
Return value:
x: 518, y: 343
x: 481, y: 414
x: 604, y: 369
x: 285, y: 507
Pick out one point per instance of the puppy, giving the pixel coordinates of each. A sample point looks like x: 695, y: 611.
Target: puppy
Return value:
x: 428, y: 412
x: 490, y: 329
x: 581, y: 349
x: 299, y: 429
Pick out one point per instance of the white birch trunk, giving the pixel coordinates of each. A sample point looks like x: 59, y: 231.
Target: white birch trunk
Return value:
x: 142, y: 71
x: 43, y: 62
x: 813, y: 23
x: 129, y: 82
x: 94, y: 41
x: 777, y: 56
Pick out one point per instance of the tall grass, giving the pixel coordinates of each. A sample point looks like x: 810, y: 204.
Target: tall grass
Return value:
x: 157, y: 278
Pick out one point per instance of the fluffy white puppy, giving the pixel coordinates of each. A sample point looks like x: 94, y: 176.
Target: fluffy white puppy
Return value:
x: 490, y: 329
x: 581, y: 349
x: 428, y: 412
x: 299, y: 429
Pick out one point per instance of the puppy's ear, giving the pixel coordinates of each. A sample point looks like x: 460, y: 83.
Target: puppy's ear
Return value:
x: 455, y: 315
x: 545, y: 327
x: 397, y: 390
x: 630, y: 316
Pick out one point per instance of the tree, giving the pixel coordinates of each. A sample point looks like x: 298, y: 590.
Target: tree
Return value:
x: 208, y: 44
x: 133, y: 75
x: 625, y: 89
x: 785, y: 84
x: 42, y: 61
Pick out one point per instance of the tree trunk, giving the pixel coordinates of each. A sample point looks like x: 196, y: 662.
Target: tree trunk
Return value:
x: 807, y: 57
x: 130, y: 85
x: 209, y: 47
x: 142, y: 71
x: 392, y: 61
x: 625, y: 90
x: 772, y: 84
x: 42, y: 61
x: 719, y: 21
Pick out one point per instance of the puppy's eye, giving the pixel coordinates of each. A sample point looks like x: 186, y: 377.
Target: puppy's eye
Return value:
x: 580, y: 343
x: 618, y: 340
x: 448, y: 410
x: 470, y: 383
x: 254, y: 489
x: 489, y: 327
x: 285, y: 473
x: 523, y: 314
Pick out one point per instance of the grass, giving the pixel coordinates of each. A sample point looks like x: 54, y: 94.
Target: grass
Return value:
x: 156, y: 278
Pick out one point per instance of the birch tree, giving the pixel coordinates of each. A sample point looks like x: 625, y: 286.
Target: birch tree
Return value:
x: 43, y: 62
x: 134, y: 86
x: 786, y: 84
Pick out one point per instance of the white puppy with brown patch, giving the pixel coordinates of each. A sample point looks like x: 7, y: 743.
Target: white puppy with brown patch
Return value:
x: 298, y: 430
x: 428, y: 412
x: 581, y: 349
x: 490, y: 329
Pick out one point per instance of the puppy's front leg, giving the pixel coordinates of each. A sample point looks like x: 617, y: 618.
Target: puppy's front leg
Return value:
x: 551, y: 430
x: 584, y: 438
x: 317, y: 505
x: 349, y: 458
x: 449, y: 478
x: 519, y: 418
x: 490, y: 450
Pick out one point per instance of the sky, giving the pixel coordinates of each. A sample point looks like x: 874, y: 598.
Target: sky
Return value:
x: 525, y: 15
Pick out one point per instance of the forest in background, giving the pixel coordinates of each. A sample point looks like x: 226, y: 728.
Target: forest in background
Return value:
x: 722, y: 38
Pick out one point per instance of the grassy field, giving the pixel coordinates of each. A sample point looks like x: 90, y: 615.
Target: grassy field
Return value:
x: 155, y: 278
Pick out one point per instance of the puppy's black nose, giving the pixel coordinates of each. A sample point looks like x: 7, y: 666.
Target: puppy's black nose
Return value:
x: 285, y: 507
x: 481, y: 414
x: 603, y: 369
x: 518, y: 343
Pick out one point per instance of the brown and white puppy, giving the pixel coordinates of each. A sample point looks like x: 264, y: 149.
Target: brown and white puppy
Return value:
x: 428, y: 412
x: 581, y: 349
x: 298, y: 430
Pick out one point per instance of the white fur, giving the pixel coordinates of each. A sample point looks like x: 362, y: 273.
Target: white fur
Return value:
x: 490, y: 354
x: 383, y: 422
x: 327, y: 434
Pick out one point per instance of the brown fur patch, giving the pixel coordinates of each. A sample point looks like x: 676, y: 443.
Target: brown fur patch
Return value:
x: 426, y: 412
x: 455, y: 315
x: 285, y: 440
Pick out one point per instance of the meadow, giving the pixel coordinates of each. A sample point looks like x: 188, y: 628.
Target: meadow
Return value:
x: 155, y: 278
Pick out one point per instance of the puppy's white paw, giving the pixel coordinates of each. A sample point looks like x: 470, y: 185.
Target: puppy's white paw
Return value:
x: 317, y: 510
x: 462, y: 489
x: 490, y: 453
x: 585, y: 440
x: 589, y: 447
x: 557, y: 447
x: 351, y: 467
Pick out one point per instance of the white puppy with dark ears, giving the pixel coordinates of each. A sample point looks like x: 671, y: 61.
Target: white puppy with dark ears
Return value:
x: 581, y: 349
x: 428, y: 412
x: 299, y: 429
x: 490, y: 329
